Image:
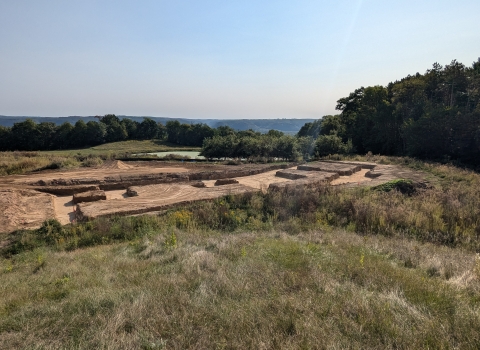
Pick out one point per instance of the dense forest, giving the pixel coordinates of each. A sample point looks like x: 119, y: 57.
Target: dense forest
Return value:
x: 435, y: 115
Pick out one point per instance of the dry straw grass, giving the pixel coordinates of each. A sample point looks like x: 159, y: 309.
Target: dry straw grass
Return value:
x: 247, y: 290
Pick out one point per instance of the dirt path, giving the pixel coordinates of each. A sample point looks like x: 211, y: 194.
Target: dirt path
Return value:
x: 64, y: 209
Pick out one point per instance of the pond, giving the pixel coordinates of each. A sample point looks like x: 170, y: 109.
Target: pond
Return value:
x: 191, y: 154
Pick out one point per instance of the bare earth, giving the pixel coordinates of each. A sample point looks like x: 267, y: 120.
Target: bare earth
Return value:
x: 23, y: 207
x: 358, y: 177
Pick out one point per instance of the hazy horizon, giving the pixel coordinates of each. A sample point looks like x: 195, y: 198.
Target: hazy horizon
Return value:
x: 217, y: 60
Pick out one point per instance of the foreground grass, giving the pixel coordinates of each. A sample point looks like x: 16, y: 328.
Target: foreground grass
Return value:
x: 194, y: 289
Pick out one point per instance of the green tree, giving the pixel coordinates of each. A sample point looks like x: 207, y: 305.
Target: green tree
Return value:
x: 61, y: 139
x: 310, y: 129
x: 147, y: 130
x: 116, y: 131
x: 26, y: 136
x: 79, y: 135
x: 46, y: 136
x: 95, y: 133
x: 5, y: 138
x: 331, y: 144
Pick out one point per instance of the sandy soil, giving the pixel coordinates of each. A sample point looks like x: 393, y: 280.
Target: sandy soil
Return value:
x: 259, y: 181
x: 262, y: 181
x: 358, y: 177
x: 22, y: 209
x: 108, y: 170
x: 64, y: 209
x: 157, y: 197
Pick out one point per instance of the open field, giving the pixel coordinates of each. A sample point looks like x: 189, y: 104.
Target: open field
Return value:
x: 124, y: 147
x: 25, y: 162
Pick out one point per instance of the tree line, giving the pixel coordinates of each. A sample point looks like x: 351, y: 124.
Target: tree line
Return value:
x: 30, y: 136
x: 218, y: 142
x: 435, y: 115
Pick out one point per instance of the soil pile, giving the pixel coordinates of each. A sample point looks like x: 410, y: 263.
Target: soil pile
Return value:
x: 116, y: 164
x: 90, y: 196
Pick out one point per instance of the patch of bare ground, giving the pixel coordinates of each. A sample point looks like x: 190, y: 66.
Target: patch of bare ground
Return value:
x: 156, y: 197
x: 64, y: 209
x: 22, y: 209
x: 358, y: 177
x: 98, y: 174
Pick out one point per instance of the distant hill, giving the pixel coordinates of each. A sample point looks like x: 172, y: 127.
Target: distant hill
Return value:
x: 288, y: 126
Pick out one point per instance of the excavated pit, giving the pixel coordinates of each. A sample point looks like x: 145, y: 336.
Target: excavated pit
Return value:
x: 341, y: 169
x: 149, y: 187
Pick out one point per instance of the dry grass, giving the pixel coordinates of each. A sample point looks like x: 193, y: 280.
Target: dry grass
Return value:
x: 24, y: 162
x: 123, y: 148
x: 247, y: 290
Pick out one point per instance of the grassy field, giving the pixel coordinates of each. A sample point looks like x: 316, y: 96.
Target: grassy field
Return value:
x: 23, y: 162
x: 124, y: 147
x: 372, y: 268
x: 188, y: 289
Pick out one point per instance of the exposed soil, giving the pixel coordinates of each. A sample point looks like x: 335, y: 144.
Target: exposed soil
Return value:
x: 107, y: 170
x: 156, y: 197
x: 22, y: 209
x: 133, y: 188
x: 358, y: 177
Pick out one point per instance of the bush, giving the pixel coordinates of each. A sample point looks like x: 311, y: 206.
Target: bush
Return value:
x: 51, y: 231
x: 331, y: 144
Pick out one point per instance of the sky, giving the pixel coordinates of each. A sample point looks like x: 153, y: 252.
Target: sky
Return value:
x: 219, y: 59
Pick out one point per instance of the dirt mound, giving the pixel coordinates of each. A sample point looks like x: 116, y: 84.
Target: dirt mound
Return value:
x: 90, y: 196
x: 116, y: 164
x: 221, y: 182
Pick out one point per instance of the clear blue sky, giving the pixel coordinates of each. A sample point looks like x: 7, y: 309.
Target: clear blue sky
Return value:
x: 219, y: 59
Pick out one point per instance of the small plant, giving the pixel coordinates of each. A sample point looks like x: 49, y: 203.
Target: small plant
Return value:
x: 171, y: 241
x: 51, y: 231
x: 40, y: 263
x: 401, y: 185
x: 181, y: 218
x: 476, y: 266
x: 9, y: 267
x: 243, y: 252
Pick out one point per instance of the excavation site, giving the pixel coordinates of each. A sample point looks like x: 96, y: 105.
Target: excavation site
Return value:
x: 136, y: 187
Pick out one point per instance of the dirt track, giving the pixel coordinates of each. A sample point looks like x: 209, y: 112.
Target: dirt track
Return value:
x: 158, y: 186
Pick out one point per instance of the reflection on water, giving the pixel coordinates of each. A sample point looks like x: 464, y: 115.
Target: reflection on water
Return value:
x: 191, y: 154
